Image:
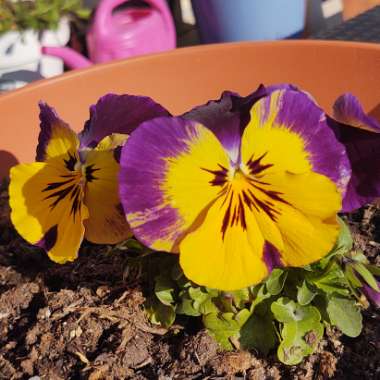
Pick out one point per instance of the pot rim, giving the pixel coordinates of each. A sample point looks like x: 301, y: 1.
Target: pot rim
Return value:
x: 192, y: 51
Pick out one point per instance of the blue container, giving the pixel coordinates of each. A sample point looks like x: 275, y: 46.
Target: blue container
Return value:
x: 242, y: 20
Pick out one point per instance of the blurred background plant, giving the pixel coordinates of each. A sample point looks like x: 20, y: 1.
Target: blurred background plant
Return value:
x: 39, y: 14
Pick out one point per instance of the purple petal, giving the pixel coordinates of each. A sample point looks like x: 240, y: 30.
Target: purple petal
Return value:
x: 362, y: 147
x: 348, y: 110
x: 281, y: 86
x: 49, y: 239
x: 272, y: 257
x: 371, y: 294
x: 48, y: 119
x: 227, y: 117
x: 360, y: 135
x: 142, y: 170
x: 118, y: 114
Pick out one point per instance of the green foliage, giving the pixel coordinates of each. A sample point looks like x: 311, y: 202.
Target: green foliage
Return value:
x: 287, y: 312
x: 301, y: 329
x: 38, y: 14
x: 344, y: 314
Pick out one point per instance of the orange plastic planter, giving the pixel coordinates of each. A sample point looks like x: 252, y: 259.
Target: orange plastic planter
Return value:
x: 186, y: 77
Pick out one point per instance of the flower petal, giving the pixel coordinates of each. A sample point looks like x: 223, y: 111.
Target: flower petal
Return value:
x: 227, y: 117
x: 118, y: 114
x: 227, y: 261
x: 57, y: 142
x: 360, y: 134
x: 306, y: 216
x: 106, y: 223
x: 348, y: 110
x: 372, y: 295
x: 253, y: 228
x: 362, y: 149
x: 167, y: 166
x: 47, y: 208
x: 289, y: 132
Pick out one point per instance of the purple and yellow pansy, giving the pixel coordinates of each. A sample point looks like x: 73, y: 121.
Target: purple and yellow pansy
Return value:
x: 71, y: 192
x: 238, y: 186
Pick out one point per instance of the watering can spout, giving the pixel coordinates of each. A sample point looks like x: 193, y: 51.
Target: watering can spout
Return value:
x: 70, y: 57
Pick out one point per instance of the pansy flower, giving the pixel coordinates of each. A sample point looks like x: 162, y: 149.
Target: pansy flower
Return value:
x: 360, y: 134
x: 71, y: 192
x: 237, y: 186
x: 372, y: 295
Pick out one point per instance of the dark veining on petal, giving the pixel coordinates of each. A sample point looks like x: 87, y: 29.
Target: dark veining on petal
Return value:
x: 56, y: 185
x: 70, y: 162
x: 238, y: 201
x: 235, y: 214
x: 220, y: 175
x: 59, y: 195
x: 74, y: 192
x: 255, y: 166
x: 90, y: 170
x: 76, y: 201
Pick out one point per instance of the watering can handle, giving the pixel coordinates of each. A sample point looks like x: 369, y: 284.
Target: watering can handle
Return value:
x: 103, y: 14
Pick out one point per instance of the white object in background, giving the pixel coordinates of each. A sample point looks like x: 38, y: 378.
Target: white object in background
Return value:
x: 331, y: 8
x: 21, y: 60
x: 187, y: 12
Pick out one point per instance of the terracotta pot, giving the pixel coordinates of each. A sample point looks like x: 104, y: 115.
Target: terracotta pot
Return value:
x: 186, y: 77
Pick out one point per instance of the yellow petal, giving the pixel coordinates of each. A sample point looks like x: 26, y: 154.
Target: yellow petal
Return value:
x: 47, y: 208
x: 58, y: 145
x: 224, y: 258
x: 277, y: 144
x: 112, y: 141
x: 107, y: 223
x: 307, y: 221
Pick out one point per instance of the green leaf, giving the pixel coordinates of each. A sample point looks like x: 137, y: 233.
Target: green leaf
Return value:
x: 186, y: 307
x: 276, y: 281
x: 286, y: 310
x: 373, y: 269
x: 240, y: 297
x: 206, y: 307
x: 242, y: 316
x: 345, y: 241
x: 367, y: 276
x: 259, y: 333
x: 159, y: 313
x: 164, y: 288
x: 301, y: 330
x: 198, y: 295
x: 212, y: 292
x: 259, y: 294
x: 352, y: 277
x: 359, y: 256
x: 332, y: 280
x: 222, y: 328
x: 344, y: 314
x: 304, y: 294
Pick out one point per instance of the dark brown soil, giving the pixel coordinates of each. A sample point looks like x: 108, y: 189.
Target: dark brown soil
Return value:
x: 85, y: 321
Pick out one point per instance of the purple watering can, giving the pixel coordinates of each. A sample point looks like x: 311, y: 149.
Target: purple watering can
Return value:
x: 122, y: 33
